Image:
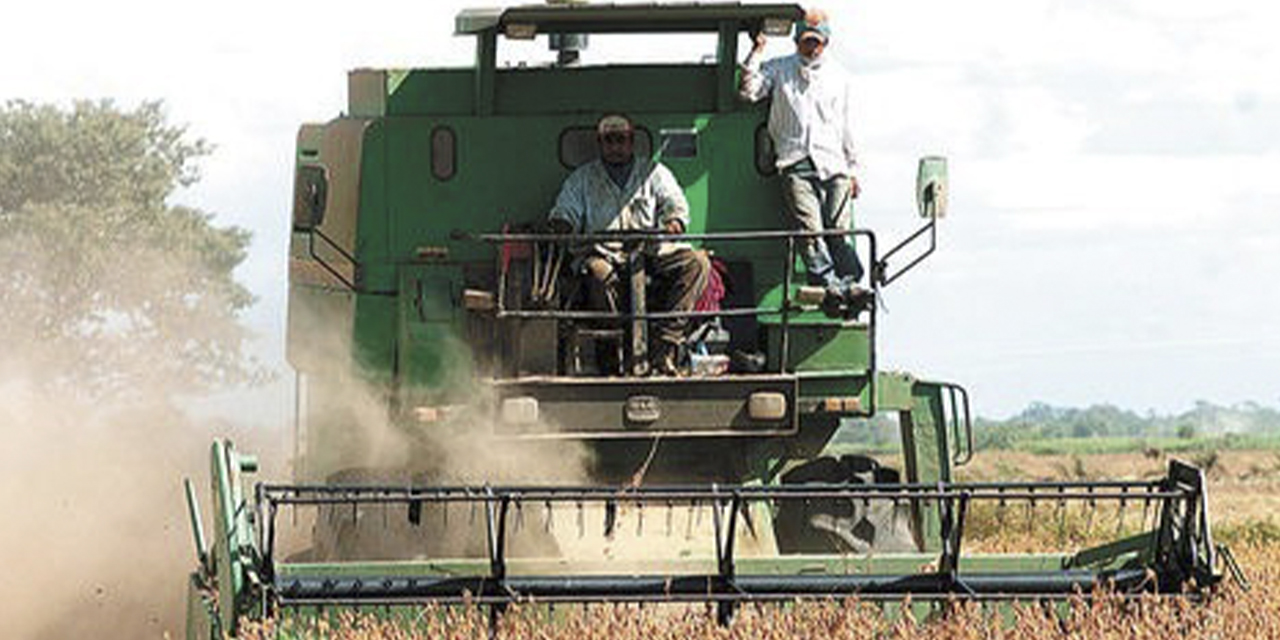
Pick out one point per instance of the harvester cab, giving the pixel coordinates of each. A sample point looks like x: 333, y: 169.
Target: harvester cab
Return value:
x: 468, y: 431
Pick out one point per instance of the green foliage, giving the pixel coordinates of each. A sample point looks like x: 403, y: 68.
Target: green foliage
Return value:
x: 109, y: 288
x: 1106, y: 429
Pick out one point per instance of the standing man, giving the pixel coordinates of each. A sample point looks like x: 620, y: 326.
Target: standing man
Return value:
x: 620, y: 192
x: 809, y: 123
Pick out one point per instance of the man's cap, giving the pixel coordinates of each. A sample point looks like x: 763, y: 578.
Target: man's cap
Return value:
x: 814, y: 25
x: 613, y: 123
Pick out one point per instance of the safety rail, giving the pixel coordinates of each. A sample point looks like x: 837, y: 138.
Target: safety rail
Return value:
x: 959, y: 422
x: 638, y: 240
x: 634, y: 242
x: 880, y: 268
x: 1172, y: 546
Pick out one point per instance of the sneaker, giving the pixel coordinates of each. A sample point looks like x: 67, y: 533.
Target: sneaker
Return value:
x: 858, y: 299
x: 833, y: 300
x: 847, y: 301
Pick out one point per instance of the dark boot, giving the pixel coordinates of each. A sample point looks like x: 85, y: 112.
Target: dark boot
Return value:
x: 665, y: 359
x: 847, y: 301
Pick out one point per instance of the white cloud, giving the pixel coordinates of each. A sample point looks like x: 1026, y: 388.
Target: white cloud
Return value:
x: 1121, y: 194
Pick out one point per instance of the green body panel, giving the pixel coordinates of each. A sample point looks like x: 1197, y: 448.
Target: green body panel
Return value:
x: 430, y: 350
x: 823, y: 346
x: 230, y: 570
x: 799, y: 564
x: 430, y: 93
x: 894, y: 391
x: 509, y: 170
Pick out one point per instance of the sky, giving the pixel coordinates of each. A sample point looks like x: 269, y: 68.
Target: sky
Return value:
x: 1114, y: 225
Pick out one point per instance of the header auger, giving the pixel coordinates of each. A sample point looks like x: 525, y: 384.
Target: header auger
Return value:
x: 421, y: 274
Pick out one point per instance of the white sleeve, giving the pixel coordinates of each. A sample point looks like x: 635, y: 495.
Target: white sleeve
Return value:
x: 570, y: 205
x: 756, y: 80
x: 671, y: 203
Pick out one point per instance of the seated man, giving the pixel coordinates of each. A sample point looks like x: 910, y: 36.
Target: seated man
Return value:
x: 620, y: 192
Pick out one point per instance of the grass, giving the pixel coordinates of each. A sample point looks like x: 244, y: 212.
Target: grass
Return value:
x: 1095, y: 446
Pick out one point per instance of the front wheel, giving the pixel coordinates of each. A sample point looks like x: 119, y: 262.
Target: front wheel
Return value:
x: 844, y: 525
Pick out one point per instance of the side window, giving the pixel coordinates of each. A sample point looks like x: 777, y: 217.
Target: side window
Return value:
x: 310, y: 196
x: 578, y: 145
x: 765, y: 157
x: 444, y: 152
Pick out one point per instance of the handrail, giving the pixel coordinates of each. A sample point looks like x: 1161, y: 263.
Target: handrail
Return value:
x: 624, y: 236
x: 957, y: 419
x: 637, y: 240
x: 312, y: 234
x: 641, y: 236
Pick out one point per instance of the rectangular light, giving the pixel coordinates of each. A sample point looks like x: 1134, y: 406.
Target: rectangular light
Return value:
x: 777, y: 27
x: 767, y: 406
x: 477, y: 300
x: 521, y: 31
x: 520, y: 410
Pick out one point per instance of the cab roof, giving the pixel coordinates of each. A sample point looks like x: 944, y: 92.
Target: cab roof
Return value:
x: 649, y: 17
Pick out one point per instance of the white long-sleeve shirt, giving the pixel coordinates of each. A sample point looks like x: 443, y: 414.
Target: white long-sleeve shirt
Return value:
x: 592, y: 202
x: 810, y: 115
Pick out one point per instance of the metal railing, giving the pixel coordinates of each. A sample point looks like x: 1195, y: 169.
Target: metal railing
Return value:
x: 634, y: 242
x: 1171, y: 546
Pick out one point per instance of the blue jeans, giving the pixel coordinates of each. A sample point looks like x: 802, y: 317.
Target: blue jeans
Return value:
x: 813, y: 204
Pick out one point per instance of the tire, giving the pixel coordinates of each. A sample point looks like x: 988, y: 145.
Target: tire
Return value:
x: 843, y: 525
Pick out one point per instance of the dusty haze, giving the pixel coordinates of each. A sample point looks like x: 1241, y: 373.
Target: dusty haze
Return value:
x: 95, y: 540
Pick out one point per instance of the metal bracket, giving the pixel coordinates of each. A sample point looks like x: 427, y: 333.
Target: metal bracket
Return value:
x: 725, y: 546
x: 312, y: 234
x: 496, y: 508
x: 1233, y: 567
x: 880, y: 269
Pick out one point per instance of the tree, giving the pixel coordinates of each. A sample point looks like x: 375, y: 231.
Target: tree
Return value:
x: 1187, y: 430
x: 109, y: 289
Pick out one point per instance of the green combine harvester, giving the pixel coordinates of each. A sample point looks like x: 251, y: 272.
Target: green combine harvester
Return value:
x: 459, y: 442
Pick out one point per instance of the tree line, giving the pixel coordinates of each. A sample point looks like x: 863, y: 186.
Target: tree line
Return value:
x: 1041, y: 421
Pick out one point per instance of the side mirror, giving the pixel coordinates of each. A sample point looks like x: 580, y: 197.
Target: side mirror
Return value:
x: 931, y: 187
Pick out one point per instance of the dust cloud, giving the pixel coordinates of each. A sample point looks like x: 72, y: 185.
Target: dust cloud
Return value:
x: 95, y: 541
x: 349, y: 424
x: 457, y: 445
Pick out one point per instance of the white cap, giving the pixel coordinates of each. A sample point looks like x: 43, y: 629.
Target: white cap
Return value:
x: 613, y: 123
